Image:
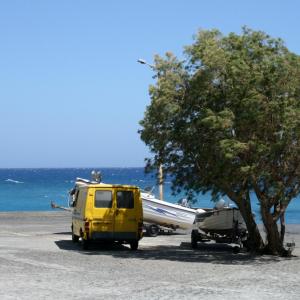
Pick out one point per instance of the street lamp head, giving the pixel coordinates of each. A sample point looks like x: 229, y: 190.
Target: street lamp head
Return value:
x: 142, y: 61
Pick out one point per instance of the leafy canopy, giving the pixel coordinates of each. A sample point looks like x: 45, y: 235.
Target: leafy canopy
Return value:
x: 227, y: 118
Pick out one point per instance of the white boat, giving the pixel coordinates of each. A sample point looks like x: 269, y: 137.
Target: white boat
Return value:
x: 220, y: 220
x: 167, y: 214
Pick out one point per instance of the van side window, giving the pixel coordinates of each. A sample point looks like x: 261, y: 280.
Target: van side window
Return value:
x: 103, y: 199
x: 125, y: 199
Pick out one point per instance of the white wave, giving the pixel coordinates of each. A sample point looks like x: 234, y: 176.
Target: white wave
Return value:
x: 13, y: 181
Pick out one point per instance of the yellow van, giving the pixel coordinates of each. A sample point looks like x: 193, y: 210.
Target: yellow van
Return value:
x: 107, y: 212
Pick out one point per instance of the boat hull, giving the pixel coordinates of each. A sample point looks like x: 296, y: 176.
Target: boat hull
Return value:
x: 220, y: 221
x: 167, y: 214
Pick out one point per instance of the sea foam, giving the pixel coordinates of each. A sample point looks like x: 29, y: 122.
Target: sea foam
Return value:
x: 13, y: 181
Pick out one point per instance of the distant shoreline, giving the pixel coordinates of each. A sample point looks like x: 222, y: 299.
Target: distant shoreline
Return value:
x: 32, y: 189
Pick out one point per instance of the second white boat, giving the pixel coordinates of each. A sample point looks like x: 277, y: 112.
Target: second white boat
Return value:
x: 167, y: 214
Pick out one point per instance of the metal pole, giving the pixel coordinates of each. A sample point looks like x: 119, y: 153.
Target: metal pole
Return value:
x: 160, y: 168
x: 161, y: 182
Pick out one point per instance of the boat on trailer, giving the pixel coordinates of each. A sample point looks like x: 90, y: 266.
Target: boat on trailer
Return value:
x: 166, y: 214
x: 222, y: 225
x: 220, y: 220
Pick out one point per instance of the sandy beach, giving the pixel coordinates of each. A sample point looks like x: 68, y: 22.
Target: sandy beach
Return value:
x: 39, y: 261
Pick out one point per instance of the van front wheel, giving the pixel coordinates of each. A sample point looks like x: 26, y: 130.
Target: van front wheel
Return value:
x: 134, y: 245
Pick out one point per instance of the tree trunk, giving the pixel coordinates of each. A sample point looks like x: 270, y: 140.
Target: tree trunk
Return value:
x: 282, y: 227
x: 255, y: 241
x: 274, y: 244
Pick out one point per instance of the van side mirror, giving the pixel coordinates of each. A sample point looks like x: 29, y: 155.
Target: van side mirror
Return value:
x: 73, y: 197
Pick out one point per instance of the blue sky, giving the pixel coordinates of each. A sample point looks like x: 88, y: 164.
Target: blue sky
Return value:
x: 71, y: 91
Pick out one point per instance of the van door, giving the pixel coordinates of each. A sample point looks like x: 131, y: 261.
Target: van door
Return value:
x: 103, y: 214
x: 78, y: 214
x: 126, y: 219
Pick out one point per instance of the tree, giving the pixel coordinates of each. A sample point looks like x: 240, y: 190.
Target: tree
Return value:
x: 227, y: 120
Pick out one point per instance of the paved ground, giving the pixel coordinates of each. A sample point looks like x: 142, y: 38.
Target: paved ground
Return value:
x: 39, y: 261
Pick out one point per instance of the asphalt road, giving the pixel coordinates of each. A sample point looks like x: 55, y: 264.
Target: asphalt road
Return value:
x: 39, y: 261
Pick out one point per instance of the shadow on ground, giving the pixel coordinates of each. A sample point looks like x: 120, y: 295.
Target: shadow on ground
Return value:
x: 206, y: 253
x: 63, y: 233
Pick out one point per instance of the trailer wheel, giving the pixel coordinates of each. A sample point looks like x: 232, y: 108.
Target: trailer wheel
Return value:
x: 246, y: 245
x: 134, y: 245
x: 194, y: 239
x: 236, y: 249
x: 152, y: 230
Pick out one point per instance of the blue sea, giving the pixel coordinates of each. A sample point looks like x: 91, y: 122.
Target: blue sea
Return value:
x: 34, y: 189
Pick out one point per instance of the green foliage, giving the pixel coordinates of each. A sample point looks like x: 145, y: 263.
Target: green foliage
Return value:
x: 227, y: 118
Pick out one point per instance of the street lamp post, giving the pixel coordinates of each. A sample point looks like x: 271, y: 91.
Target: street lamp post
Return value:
x: 160, y: 168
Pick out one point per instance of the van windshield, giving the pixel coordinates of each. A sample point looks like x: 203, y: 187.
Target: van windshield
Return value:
x: 103, y: 199
x: 125, y: 199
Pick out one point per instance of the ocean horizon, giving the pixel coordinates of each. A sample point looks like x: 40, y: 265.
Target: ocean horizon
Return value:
x: 33, y: 189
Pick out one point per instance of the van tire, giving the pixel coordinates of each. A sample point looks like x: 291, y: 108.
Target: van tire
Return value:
x: 85, y: 244
x: 134, y: 245
x: 75, y: 238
